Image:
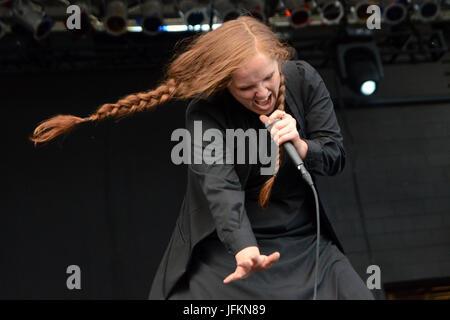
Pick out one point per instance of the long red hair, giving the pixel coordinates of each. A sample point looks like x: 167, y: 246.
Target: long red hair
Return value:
x: 204, y: 68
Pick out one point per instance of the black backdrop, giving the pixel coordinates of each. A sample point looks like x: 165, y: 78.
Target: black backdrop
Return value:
x: 104, y: 197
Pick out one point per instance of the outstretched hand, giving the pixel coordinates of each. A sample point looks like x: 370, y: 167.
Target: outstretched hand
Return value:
x: 249, y: 260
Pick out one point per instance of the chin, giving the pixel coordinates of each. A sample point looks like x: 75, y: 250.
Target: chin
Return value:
x: 261, y: 112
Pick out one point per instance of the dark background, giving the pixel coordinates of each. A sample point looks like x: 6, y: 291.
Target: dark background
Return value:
x: 105, y: 196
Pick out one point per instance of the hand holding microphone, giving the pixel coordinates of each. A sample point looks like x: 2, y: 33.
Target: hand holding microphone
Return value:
x: 283, y: 129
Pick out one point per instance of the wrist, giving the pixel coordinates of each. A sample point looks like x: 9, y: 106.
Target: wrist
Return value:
x: 302, y: 148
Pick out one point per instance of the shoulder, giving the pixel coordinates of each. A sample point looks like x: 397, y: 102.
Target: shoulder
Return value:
x: 300, y: 71
x: 210, y: 110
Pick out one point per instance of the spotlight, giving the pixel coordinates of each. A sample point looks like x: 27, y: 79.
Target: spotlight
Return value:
x: 254, y: 8
x: 394, y: 13
x: 360, y: 66
x: 299, y: 13
x: 368, y: 87
x: 226, y: 10
x: 193, y: 12
x: 152, y: 16
x: 115, y: 20
x: 33, y: 19
x: 85, y: 21
x: 360, y: 10
x: 331, y: 12
x: 428, y: 10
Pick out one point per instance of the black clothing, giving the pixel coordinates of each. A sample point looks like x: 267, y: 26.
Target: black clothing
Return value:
x: 220, y: 215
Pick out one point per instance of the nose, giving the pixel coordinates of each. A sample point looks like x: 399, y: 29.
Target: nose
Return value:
x: 261, y: 93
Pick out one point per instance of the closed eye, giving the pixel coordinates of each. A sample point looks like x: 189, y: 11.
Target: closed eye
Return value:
x: 267, y: 78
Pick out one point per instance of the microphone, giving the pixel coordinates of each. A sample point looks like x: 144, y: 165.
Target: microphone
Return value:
x: 295, y: 157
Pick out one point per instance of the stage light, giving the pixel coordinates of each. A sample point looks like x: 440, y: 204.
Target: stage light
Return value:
x: 193, y: 12
x: 331, y: 11
x: 427, y: 10
x: 32, y: 18
x: 299, y: 13
x: 152, y: 16
x: 394, y: 13
x: 115, y: 20
x: 227, y: 11
x: 360, y: 66
x: 360, y: 11
x: 368, y: 87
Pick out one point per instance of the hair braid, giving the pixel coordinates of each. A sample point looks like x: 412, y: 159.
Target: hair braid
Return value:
x: 264, y: 193
x: 141, y: 101
x: 203, y: 69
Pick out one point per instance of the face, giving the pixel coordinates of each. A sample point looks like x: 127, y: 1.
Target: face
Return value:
x: 256, y: 84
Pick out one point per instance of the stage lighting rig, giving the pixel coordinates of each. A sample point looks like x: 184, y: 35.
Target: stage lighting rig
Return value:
x: 227, y: 10
x: 116, y: 15
x: 394, y: 11
x: 32, y: 18
x: 152, y: 16
x: 427, y: 10
x: 299, y: 13
x: 331, y: 11
x: 360, y: 66
x: 194, y: 13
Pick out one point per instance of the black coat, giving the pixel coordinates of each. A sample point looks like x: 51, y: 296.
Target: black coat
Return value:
x: 214, y: 199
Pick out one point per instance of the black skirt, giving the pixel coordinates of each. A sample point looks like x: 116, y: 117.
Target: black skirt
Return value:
x: 291, y: 277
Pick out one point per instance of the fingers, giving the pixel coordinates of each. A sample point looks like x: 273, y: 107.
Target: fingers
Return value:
x: 277, y: 114
x: 274, y: 257
x: 285, y: 130
x: 255, y: 264
x: 240, y: 273
x: 284, y: 135
x: 263, y: 118
x: 258, y: 263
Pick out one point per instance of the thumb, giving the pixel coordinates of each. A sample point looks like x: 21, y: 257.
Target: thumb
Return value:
x: 263, y: 118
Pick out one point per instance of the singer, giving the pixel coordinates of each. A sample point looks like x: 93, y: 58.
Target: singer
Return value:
x: 240, y: 234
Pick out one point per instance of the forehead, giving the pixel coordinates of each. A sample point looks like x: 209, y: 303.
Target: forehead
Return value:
x: 256, y: 69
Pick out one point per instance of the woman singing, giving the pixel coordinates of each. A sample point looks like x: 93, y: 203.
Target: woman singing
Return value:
x: 241, y: 234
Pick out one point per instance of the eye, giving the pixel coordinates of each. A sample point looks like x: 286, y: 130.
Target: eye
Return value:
x: 267, y: 78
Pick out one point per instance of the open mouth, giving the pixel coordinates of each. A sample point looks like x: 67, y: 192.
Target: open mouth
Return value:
x: 264, y: 104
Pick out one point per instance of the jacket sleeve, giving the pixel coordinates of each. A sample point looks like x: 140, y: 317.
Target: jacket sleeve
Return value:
x: 219, y: 181
x: 326, y: 153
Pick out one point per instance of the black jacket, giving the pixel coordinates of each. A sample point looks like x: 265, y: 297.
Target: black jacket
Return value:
x: 215, y: 195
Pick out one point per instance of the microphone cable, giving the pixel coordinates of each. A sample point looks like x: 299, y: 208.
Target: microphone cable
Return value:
x: 295, y: 157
